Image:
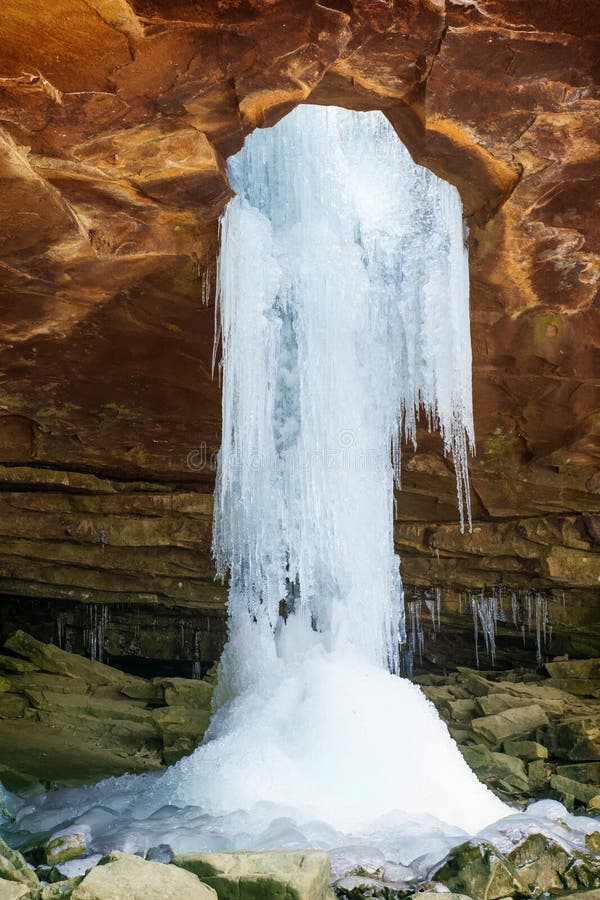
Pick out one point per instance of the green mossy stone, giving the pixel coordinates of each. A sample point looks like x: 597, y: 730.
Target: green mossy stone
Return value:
x: 479, y: 870
x: 539, y: 863
x: 64, y: 847
x: 511, y: 724
x: 526, y: 750
x: 12, y: 664
x: 592, y: 842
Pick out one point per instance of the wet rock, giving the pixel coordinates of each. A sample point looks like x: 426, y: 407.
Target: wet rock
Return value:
x: 302, y: 875
x: 63, y: 847
x: 12, y: 706
x: 569, y: 788
x: 479, y: 870
x: 60, y: 727
x: 186, y: 692
x: 181, y: 729
x: 119, y: 876
x: 506, y: 774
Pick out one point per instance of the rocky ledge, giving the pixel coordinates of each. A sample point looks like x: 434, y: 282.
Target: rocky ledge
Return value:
x: 69, y: 720
x: 527, y: 735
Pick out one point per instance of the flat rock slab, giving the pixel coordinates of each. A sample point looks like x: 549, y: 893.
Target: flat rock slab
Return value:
x: 124, y: 877
x: 273, y: 875
x: 11, y: 891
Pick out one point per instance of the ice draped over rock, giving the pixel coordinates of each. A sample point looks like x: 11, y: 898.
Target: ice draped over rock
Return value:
x: 343, y: 282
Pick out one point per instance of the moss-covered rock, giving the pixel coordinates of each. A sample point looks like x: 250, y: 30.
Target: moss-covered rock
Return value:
x: 85, y: 721
x: 539, y: 863
x: 62, y: 847
x: 480, y: 871
x: 186, y: 692
x: 14, y: 868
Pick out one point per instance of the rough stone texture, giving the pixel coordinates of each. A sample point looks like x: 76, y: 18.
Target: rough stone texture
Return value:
x: 115, y: 119
x: 79, y: 720
x: 561, y: 759
x: 120, y: 876
x: 271, y: 875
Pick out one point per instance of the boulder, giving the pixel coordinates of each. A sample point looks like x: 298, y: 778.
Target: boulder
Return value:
x: 14, y: 868
x: 119, y: 876
x: 499, y: 771
x: 576, y: 739
x: 186, y: 692
x: 273, y: 875
x: 571, y: 788
x: 510, y: 724
x: 62, y: 890
x: 539, y: 863
x: 435, y: 895
x: 63, y: 847
x: 9, y: 890
x: 577, y: 676
x: 479, y: 870
x: 181, y: 730
x: 493, y: 704
x: 527, y: 750
x: 12, y: 664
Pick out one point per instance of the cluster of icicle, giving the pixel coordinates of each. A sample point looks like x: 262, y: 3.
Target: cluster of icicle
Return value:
x: 344, y: 305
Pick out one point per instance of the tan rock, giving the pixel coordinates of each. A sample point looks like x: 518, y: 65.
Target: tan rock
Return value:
x: 304, y: 875
x: 123, y: 877
x: 511, y: 724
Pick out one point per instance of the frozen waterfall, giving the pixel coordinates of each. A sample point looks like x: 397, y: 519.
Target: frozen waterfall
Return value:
x: 343, y: 285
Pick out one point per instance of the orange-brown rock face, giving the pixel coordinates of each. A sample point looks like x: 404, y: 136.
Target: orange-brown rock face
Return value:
x: 115, y: 120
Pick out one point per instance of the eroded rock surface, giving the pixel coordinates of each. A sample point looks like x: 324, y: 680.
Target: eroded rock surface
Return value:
x: 115, y: 121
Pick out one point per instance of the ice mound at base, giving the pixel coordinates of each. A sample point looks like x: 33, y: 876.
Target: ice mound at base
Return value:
x: 337, y: 739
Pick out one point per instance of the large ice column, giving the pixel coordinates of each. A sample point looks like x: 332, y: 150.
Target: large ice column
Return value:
x: 343, y: 286
x: 343, y: 283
